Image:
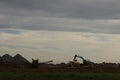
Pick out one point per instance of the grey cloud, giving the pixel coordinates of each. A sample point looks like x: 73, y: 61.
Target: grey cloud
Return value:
x: 63, y: 24
x: 5, y: 26
x: 61, y: 15
x: 88, y: 9
x: 10, y: 31
x: 32, y: 4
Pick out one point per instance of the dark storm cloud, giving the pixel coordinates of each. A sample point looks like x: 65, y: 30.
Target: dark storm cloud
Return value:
x: 61, y: 15
x: 88, y: 9
x: 5, y: 26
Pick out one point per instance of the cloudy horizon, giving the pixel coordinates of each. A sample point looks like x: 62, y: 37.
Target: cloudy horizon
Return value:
x: 58, y: 29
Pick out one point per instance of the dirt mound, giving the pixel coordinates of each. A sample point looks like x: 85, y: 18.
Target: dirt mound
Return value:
x: 16, y: 59
x: 19, y: 59
x: 6, y: 58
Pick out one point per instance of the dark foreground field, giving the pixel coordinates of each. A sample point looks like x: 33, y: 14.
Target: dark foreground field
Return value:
x: 59, y: 76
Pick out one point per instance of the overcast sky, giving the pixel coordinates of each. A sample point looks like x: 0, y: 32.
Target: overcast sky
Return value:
x: 91, y: 27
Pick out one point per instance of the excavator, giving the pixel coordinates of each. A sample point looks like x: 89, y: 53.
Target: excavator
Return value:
x: 75, y: 62
x: 85, y: 62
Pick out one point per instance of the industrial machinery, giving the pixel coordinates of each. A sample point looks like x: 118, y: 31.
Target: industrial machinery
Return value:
x: 46, y: 62
x: 35, y: 63
x: 85, y: 62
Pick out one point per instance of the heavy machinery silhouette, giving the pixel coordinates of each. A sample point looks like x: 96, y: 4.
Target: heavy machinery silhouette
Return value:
x: 35, y: 63
x: 85, y: 62
x: 75, y: 62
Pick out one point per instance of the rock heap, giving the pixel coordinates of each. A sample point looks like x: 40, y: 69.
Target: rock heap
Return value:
x: 16, y: 59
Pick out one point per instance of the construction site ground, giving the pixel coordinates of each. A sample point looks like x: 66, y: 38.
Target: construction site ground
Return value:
x: 59, y: 74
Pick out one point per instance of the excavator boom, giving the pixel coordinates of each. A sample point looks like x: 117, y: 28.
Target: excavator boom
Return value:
x: 74, y: 59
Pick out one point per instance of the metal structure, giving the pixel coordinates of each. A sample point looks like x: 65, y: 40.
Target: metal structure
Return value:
x: 46, y: 62
x: 85, y: 62
x: 35, y: 63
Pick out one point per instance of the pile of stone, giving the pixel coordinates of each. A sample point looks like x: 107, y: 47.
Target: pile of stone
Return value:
x: 16, y: 59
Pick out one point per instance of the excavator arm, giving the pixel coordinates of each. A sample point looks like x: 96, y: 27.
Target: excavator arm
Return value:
x: 74, y: 59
